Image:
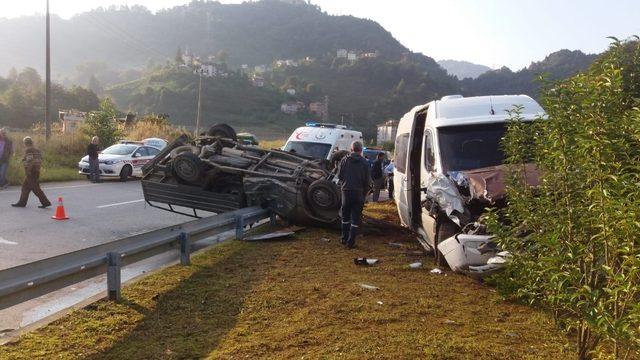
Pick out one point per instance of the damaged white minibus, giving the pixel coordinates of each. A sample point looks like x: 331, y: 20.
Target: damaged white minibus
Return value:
x: 448, y: 169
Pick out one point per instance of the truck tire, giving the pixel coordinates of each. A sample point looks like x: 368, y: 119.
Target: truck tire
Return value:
x: 323, y: 194
x: 223, y: 131
x: 335, y: 159
x: 188, y: 168
x: 184, y: 149
x: 445, y: 228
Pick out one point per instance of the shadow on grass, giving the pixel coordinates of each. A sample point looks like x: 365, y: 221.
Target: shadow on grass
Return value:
x: 190, y: 320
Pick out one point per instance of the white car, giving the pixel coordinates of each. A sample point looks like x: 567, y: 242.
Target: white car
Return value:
x: 125, y: 159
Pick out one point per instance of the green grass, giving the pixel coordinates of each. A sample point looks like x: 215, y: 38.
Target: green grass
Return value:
x: 286, y: 299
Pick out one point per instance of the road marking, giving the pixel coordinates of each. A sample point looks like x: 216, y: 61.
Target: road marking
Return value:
x: 118, y: 204
x: 4, y: 241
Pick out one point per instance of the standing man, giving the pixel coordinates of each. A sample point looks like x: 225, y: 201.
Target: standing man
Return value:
x: 94, y: 164
x: 388, y: 171
x: 355, y: 180
x: 31, y: 161
x: 6, y: 150
x: 377, y: 176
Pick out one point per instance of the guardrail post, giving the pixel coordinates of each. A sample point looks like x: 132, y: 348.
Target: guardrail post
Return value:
x: 239, y: 227
x: 185, y: 249
x: 113, y: 276
x: 272, y: 218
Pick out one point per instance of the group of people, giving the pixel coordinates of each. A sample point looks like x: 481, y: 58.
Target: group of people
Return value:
x: 356, y: 178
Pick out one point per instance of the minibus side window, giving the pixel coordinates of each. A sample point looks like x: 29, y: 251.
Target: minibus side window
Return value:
x: 429, y: 157
x: 402, y: 147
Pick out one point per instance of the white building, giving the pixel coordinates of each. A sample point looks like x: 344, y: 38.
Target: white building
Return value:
x: 71, y: 120
x: 352, y: 56
x: 260, y: 69
x: 341, y: 53
x: 257, y: 81
x: 291, y: 91
x: 291, y: 108
x: 387, y: 132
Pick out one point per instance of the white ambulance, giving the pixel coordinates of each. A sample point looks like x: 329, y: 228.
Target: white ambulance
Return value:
x: 321, y: 140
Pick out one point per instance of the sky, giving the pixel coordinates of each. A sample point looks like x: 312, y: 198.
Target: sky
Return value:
x: 495, y: 33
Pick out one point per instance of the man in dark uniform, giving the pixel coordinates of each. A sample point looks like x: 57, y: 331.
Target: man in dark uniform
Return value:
x: 94, y: 164
x: 355, y: 179
x: 377, y: 175
x: 31, y: 161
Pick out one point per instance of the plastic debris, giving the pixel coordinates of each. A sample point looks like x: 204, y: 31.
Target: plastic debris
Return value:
x: 496, y: 260
x: 325, y: 239
x: 380, y: 303
x: 365, y: 261
x: 415, y: 265
x: 270, y: 236
x: 369, y: 287
x: 437, y: 271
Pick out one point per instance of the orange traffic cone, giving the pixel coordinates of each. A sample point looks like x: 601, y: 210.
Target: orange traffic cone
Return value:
x: 60, y: 213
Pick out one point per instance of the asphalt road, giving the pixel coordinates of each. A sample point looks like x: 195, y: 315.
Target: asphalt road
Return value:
x: 98, y: 213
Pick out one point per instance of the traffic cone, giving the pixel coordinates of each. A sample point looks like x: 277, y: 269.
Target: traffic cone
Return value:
x: 60, y: 213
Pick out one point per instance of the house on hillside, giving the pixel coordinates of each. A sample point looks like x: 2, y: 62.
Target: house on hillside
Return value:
x: 319, y: 109
x: 292, y: 107
x: 370, y: 55
x: 260, y: 69
x: 352, y: 55
x: 257, y: 81
x: 291, y: 91
x: 71, y: 120
x: 341, y: 53
x: 387, y: 132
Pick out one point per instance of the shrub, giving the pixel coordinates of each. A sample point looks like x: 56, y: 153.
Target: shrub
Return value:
x: 575, y: 237
x: 102, y: 123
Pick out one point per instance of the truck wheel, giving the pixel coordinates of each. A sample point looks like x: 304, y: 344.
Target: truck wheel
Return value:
x: 445, y: 229
x: 125, y: 173
x: 188, y: 168
x: 335, y: 159
x: 184, y: 149
x: 223, y: 131
x: 323, y: 194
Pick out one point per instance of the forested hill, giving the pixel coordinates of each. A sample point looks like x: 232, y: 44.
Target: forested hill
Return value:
x: 250, y: 33
x: 556, y: 66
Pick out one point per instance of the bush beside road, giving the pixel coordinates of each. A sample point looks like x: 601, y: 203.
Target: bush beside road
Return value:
x: 284, y: 299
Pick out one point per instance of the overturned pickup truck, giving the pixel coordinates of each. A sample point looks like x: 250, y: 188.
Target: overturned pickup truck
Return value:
x: 215, y: 173
x: 449, y: 170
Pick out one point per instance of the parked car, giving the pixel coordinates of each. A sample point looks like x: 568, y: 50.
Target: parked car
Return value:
x: 125, y: 159
x: 448, y: 170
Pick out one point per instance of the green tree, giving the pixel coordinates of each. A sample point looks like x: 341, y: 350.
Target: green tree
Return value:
x: 102, y: 123
x: 574, y: 237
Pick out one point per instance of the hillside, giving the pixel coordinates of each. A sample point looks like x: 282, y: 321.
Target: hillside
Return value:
x: 558, y: 65
x: 251, y: 32
x: 463, y: 69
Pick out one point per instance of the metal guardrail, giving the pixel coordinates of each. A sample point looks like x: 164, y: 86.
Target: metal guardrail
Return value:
x: 29, y: 281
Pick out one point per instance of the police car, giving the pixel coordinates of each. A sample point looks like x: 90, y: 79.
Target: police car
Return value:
x: 125, y: 159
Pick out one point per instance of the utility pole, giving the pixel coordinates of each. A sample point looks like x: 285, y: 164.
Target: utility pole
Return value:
x: 47, y: 91
x: 199, y: 104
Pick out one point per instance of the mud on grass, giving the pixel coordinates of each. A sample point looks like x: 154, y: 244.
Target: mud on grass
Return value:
x: 289, y: 298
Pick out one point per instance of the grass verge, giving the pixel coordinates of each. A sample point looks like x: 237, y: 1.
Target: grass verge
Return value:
x: 285, y: 299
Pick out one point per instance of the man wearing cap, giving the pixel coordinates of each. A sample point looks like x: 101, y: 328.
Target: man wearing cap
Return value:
x: 31, y: 161
x: 355, y: 179
x: 6, y: 150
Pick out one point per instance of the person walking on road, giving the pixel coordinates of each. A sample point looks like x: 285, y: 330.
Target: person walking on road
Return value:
x: 6, y: 150
x: 32, y: 161
x: 355, y: 180
x: 388, y: 171
x: 94, y: 164
x: 377, y: 176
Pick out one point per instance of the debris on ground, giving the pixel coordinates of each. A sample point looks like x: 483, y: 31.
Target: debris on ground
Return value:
x: 325, y: 239
x: 369, y: 287
x: 270, y: 236
x: 415, y: 265
x: 365, y: 261
x: 395, y: 245
x: 437, y: 271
